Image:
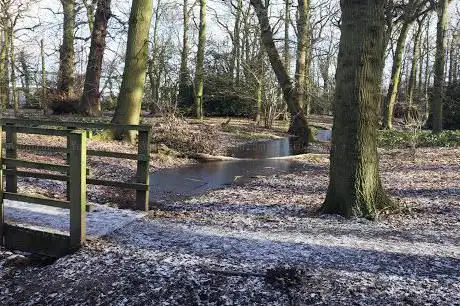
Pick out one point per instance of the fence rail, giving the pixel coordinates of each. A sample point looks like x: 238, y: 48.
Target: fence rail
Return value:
x: 46, y: 127
x: 75, y: 173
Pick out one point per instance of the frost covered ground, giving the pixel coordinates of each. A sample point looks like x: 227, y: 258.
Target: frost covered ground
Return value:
x: 261, y: 243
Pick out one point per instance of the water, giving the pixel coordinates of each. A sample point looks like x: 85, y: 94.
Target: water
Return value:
x: 176, y: 183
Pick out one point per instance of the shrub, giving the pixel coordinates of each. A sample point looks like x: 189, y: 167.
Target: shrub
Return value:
x: 181, y: 136
x: 413, y: 138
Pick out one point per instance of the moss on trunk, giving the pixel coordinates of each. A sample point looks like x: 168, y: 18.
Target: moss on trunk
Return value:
x: 128, y: 108
x: 355, y: 188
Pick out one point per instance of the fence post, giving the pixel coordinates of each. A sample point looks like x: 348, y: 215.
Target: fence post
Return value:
x: 11, y: 152
x: 2, y: 217
x: 77, y: 185
x: 142, y: 173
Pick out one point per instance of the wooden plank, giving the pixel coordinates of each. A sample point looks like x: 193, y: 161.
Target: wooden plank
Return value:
x: 45, y: 176
x: 122, y: 185
x: 10, y: 152
x: 36, y: 200
x: 35, y: 148
x: 14, y: 163
x: 142, y: 173
x: 36, y: 242
x: 112, y: 154
x: 39, y: 131
x: 77, y: 161
x: 76, y: 124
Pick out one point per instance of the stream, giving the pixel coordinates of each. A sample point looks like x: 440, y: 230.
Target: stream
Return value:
x: 256, y: 159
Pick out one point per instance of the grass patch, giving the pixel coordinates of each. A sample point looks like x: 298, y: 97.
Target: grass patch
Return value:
x: 392, y: 139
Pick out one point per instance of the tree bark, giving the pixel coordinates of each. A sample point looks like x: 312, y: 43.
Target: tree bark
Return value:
x: 439, y: 64
x: 199, y: 75
x: 128, y: 108
x: 67, y: 52
x: 90, y: 104
x: 298, y: 124
x: 354, y: 187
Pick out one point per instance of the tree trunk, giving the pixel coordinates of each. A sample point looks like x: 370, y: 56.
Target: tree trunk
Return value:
x: 354, y: 187
x: 5, y: 68
x: 153, y: 65
x: 413, y: 71
x: 287, y: 21
x: 427, y: 72
x: 90, y: 103
x: 183, y: 73
x: 14, y: 93
x: 395, y: 76
x: 90, y: 6
x: 42, y: 55
x: 300, y: 92
x: 67, y: 52
x: 236, y: 52
x: 4, y: 78
x: 128, y: 108
x: 26, y: 75
x: 298, y: 125
x: 199, y: 76
x: 439, y: 64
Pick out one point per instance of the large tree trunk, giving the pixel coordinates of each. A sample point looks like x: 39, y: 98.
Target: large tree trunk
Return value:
x: 199, y: 75
x: 298, y: 125
x: 395, y: 76
x: 67, y: 52
x: 439, y: 64
x: 128, y: 108
x: 300, y: 91
x: 354, y: 187
x: 90, y: 101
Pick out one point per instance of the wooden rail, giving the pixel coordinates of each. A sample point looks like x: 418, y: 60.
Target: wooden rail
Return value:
x: 75, y: 173
x: 15, y: 126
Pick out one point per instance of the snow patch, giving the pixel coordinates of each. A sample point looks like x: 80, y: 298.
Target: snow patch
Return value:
x: 100, y: 222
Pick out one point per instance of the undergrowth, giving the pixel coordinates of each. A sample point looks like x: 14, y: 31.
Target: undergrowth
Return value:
x: 392, y: 139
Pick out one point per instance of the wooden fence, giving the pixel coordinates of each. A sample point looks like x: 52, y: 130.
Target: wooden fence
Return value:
x: 74, y: 172
x: 141, y: 184
x: 26, y: 239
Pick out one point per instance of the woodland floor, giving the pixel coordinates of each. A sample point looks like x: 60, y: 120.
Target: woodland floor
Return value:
x: 262, y: 243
